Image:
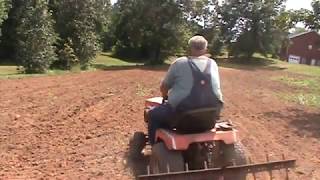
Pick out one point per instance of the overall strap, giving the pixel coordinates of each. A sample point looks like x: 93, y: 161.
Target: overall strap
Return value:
x: 207, y: 70
x: 193, y: 66
x: 196, y: 71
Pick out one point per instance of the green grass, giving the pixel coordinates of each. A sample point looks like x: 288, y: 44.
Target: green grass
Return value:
x: 307, y: 90
x: 298, y: 68
x: 304, y: 79
x: 8, y: 70
x: 308, y: 99
x: 261, y: 62
x: 105, y: 60
x: 306, y: 82
x: 15, y: 74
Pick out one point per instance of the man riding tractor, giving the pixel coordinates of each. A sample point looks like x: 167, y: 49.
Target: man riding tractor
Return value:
x: 186, y: 142
x: 191, y: 83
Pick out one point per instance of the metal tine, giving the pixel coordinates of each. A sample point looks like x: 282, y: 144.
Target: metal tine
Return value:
x: 187, y: 167
x: 168, y: 168
x: 254, y: 174
x: 205, y: 165
x: 270, y: 171
x: 287, y: 170
x: 148, y: 170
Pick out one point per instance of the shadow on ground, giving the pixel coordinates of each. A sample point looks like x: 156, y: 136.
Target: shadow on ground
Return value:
x: 306, y: 123
x: 249, y: 65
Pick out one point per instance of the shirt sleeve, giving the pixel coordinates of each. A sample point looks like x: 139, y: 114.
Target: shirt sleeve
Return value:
x: 171, y: 75
x: 216, y: 80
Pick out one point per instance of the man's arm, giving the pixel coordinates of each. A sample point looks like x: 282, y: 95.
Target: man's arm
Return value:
x: 164, y: 89
x: 216, y: 81
x: 168, y: 80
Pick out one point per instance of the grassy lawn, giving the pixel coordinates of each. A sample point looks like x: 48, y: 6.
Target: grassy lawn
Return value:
x: 298, y: 68
x: 260, y: 62
x: 307, y: 89
x: 105, y: 61
x: 8, y: 70
x: 304, y: 79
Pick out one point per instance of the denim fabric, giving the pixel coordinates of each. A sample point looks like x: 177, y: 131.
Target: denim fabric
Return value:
x: 159, y: 117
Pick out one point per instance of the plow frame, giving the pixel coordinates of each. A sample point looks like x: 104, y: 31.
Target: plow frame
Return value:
x: 218, y: 173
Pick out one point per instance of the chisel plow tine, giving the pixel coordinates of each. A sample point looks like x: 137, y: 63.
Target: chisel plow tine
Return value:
x: 219, y: 173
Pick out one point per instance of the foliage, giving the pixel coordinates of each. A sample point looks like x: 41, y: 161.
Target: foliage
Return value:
x: 146, y: 29
x: 4, y: 7
x: 248, y: 26
x: 150, y: 29
x: 66, y: 57
x: 36, y: 37
x: 9, y: 38
x: 81, y: 21
x: 207, y: 12
x: 312, y: 18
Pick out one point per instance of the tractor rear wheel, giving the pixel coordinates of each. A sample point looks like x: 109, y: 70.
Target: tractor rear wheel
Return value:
x: 137, y: 143
x: 234, y: 154
x: 162, y: 160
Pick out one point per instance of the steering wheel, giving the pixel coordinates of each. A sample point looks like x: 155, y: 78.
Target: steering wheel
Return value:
x: 164, y: 99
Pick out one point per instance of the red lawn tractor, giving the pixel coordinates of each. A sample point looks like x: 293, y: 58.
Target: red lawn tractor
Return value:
x: 215, y: 154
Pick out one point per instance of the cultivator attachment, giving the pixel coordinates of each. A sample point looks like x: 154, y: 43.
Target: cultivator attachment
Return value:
x: 221, y: 173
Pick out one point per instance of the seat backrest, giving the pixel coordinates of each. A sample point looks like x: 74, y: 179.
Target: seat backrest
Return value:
x: 197, y: 121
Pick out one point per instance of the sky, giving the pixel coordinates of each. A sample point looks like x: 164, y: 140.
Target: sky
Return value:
x: 291, y: 4
x: 297, y: 4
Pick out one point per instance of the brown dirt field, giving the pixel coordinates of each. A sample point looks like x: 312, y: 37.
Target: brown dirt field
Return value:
x: 77, y: 126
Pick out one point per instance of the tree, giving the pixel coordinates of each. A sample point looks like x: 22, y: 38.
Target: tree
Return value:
x: 82, y: 22
x: 312, y: 18
x: 36, y: 37
x: 4, y: 7
x: 248, y: 26
x: 150, y: 29
x: 67, y: 57
x: 9, y: 31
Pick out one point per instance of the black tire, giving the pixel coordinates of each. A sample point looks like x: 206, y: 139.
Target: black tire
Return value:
x: 234, y: 154
x: 161, y: 158
x: 136, y: 145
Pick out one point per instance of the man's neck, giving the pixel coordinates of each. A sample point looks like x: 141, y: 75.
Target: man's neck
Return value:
x: 198, y: 56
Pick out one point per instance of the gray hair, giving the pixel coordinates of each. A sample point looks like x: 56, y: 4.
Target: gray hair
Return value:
x: 198, y: 43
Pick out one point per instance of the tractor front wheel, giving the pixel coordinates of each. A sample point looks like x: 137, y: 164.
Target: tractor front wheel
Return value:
x: 163, y: 160
x: 137, y: 143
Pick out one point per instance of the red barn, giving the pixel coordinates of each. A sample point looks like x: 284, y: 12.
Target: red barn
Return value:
x: 303, y: 48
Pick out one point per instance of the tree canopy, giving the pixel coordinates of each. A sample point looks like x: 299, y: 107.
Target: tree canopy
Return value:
x: 41, y: 34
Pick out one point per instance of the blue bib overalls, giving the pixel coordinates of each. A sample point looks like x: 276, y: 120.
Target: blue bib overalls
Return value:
x: 201, y: 96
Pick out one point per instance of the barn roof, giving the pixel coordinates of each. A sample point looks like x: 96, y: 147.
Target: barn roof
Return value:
x: 300, y: 34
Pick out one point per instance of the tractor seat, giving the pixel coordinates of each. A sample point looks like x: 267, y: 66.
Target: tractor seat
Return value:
x: 195, y: 121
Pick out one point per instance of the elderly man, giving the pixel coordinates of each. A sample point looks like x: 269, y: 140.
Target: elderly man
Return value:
x: 191, y: 83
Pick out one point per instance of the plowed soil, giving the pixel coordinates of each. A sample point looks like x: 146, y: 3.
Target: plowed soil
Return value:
x: 77, y: 126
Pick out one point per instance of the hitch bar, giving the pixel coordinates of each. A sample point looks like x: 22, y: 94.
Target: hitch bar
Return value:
x: 218, y: 172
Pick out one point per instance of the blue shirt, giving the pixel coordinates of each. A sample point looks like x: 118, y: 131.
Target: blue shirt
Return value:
x: 179, y: 79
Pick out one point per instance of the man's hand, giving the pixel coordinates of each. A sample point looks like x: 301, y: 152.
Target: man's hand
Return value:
x: 164, y: 90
